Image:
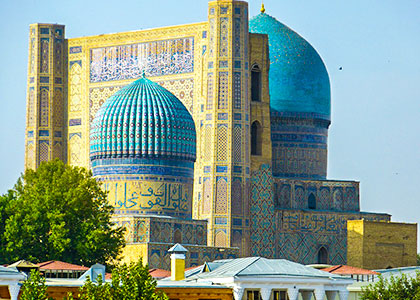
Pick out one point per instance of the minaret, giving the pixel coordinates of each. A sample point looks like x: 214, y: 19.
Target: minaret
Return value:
x: 45, y: 96
x: 223, y: 192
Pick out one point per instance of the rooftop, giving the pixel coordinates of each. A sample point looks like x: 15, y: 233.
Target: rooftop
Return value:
x: 257, y: 266
x: 60, y: 265
x: 348, y: 270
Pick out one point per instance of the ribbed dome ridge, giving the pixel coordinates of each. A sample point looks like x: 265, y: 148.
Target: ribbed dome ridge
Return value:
x: 143, y: 120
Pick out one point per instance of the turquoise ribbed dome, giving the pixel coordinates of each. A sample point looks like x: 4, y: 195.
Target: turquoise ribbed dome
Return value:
x: 299, y: 81
x: 143, y: 120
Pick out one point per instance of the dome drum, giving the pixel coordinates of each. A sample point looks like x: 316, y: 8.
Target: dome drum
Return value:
x: 299, y: 147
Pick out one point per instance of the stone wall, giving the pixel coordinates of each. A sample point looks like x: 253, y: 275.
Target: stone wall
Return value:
x: 381, y: 245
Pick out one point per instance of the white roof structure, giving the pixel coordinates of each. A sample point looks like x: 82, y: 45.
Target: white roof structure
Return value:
x: 271, y: 275
x: 11, y: 277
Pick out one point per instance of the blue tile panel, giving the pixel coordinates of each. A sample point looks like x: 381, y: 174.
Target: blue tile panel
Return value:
x: 44, y: 79
x: 139, y: 166
x: 76, y: 49
x: 220, y: 221
x: 263, y: 219
x: 237, y: 222
x: 143, y: 120
x: 221, y: 169
x: 45, y: 31
x: 237, y: 169
x: 44, y: 133
x: 298, y: 78
x: 75, y: 122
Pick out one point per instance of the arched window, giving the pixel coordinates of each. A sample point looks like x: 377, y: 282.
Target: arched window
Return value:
x: 322, y: 256
x: 311, y: 201
x: 178, y: 236
x: 256, y: 138
x: 255, y: 83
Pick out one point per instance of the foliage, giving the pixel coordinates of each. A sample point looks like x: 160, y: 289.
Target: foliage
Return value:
x: 95, y: 291
x: 58, y: 212
x: 34, y: 287
x: 129, y: 282
x: 396, y: 288
x: 418, y: 259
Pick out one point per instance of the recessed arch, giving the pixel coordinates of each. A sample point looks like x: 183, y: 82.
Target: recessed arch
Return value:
x: 256, y: 138
x: 312, y: 201
x: 322, y: 255
x: 256, y: 83
x: 178, y: 236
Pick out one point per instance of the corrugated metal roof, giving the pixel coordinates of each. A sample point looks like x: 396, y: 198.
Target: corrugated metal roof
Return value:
x: 258, y: 266
x: 409, y: 271
x: 8, y: 271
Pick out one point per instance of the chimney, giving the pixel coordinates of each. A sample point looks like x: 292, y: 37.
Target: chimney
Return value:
x: 177, y: 262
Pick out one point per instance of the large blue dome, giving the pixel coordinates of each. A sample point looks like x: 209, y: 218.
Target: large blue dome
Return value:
x: 143, y: 120
x: 299, y: 81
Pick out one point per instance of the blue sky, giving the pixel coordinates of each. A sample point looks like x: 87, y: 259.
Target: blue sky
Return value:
x: 375, y: 132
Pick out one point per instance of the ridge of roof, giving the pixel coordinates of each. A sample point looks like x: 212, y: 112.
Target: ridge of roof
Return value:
x: 333, y: 268
x: 247, y: 266
x: 23, y: 264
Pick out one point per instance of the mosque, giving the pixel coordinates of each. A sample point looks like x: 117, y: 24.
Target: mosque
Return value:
x: 212, y: 134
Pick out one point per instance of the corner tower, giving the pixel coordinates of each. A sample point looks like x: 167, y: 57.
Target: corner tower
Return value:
x: 45, y: 121
x: 222, y: 191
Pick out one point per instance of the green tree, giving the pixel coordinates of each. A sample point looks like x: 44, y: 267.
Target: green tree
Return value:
x: 34, y: 287
x: 395, y: 288
x: 95, y: 290
x: 129, y: 282
x: 58, y: 212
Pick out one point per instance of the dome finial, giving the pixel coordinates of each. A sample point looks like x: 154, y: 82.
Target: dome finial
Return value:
x: 262, y: 7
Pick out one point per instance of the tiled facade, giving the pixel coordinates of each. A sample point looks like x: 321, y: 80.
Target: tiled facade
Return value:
x: 275, y: 202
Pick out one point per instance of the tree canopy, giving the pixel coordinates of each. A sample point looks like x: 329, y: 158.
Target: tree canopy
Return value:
x: 129, y: 281
x: 34, y: 287
x: 58, y: 212
x: 400, y: 287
